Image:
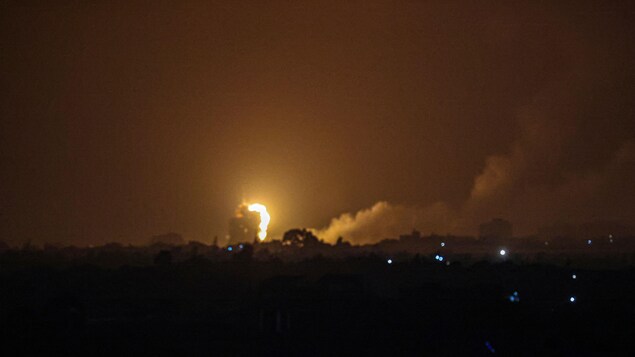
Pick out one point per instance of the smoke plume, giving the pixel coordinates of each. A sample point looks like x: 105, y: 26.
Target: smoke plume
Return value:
x: 573, y: 161
x: 385, y: 220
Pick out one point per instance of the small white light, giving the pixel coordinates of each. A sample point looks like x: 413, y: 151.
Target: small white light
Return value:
x: 574, y: 276
x: 443, y: 244
x: 389, y: 261
x: 572, y: 299
x: 589, y: 242
x: 502, y: 252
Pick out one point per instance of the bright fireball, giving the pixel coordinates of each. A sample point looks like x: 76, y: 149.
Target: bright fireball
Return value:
x: 264, y: 218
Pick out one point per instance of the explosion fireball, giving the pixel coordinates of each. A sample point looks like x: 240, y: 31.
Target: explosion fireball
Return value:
x: 264, y: 218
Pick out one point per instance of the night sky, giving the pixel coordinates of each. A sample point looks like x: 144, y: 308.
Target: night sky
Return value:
x: 122, y: 120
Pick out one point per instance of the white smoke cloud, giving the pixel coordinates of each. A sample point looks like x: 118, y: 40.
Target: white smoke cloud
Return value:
x: 572, y: 161
x: 386, y: 220
x: 535, y: 184
x: 499, y: 191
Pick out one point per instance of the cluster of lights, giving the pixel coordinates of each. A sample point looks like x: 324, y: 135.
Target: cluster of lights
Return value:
x: 514, y: 297
x: 231, y: 248
x: 439, y: 257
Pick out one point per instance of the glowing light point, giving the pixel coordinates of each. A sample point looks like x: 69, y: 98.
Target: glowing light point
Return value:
x: 574, y: 276
x: 389, y: 261
x: 443, y: 244
x: 589, y: 242
x: 572, y: 299
x: 490, y: 347
x: 514, y: 297
x: 230, y: 248
x: 264, y: 219
x: 502, y: 252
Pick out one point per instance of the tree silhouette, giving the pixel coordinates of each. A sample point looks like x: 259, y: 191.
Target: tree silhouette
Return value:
x: 299, y: 238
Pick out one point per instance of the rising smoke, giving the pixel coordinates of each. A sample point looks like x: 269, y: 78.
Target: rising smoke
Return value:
x: 507, y: 187
x: 573, y: 161
x: 385, y: 220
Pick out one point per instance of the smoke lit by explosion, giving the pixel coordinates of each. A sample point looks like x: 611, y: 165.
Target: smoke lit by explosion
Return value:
x: 250, y: 221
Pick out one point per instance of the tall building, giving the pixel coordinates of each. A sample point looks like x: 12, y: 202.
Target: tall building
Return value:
x: 243, y: 227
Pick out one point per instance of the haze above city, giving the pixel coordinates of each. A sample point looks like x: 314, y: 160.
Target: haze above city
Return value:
x: 124, y: 120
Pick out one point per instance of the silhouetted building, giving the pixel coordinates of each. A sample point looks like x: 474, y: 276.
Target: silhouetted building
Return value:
x: 243, y: 227
x: 414, y: 237
x: 497, y: 228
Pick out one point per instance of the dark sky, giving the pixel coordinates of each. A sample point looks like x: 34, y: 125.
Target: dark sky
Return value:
x: 120, y: 120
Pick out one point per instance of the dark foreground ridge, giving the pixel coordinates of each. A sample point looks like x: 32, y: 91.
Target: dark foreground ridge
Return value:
x: 353, y: 305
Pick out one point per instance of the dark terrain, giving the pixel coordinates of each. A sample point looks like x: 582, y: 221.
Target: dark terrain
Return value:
x: 358, y: 305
